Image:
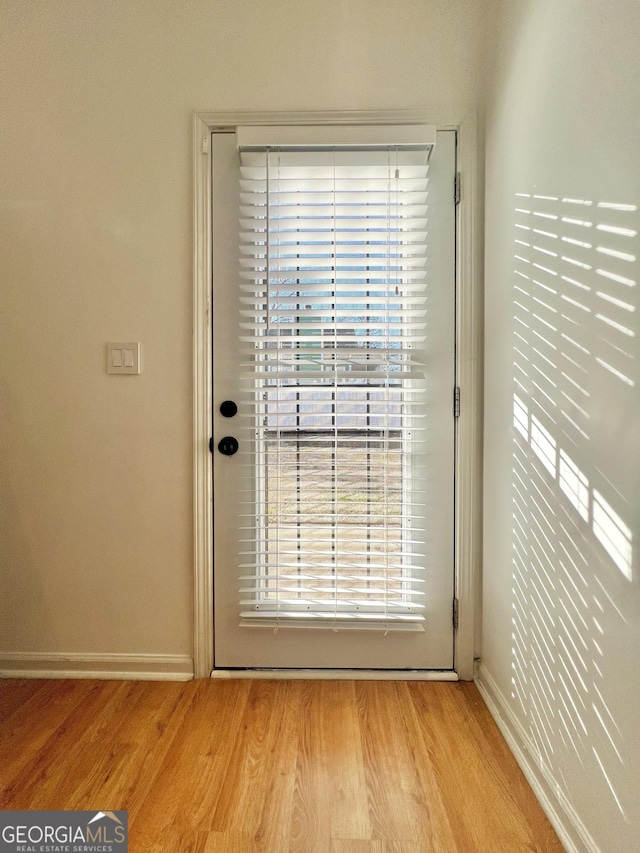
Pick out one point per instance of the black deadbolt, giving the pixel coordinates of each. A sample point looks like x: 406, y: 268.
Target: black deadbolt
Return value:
x: 228, y: 409
x: 228, y: 445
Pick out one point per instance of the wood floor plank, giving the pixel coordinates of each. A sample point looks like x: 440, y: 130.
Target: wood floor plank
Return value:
x: 356, y: 845
x: 127, y: 749
x: 190, y: 779
x: 51, y: 785
x: 28, y: 727
x: 398, y: 803
x: 337, y: 712
x: 313, y: 787
x: 273, y: 766
x: 477, y: 795
x: 481, y: 726
x: 436, y: 833
x: 257, y: 795
x: 22, y: 690
x: 230, y: 842
x: 458, y: 770
x: 44, y: 731
x: 177, y: 839
x: 330, y: 798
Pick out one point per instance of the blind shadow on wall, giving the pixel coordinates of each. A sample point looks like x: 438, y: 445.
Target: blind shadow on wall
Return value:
x: 575, y: 561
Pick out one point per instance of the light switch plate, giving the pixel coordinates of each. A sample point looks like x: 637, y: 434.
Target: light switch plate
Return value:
x: 123, y: 358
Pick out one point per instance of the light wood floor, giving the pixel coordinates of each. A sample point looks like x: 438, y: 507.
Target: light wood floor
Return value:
x: 277, y: 766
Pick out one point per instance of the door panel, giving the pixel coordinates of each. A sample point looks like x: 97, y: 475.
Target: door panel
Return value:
x: 288, y: 469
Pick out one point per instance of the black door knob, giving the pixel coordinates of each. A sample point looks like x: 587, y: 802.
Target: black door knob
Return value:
x: 228, y: 445
x: 228, y: 409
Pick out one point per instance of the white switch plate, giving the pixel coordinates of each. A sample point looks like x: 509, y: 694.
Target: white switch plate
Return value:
x: 123, y: 358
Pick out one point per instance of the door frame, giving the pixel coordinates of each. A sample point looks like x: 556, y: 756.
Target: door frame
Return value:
x: 468, y: 345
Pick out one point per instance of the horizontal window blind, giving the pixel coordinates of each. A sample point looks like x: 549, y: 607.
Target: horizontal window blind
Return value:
x: 333, y: 257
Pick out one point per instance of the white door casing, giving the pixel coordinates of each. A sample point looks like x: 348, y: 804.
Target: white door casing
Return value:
x: 469, y: 366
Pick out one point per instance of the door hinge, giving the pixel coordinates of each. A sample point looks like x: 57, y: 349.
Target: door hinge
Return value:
x: 205, y: 144
x: 456, y: 402
x: 456, y: 188
x: 455, y: 614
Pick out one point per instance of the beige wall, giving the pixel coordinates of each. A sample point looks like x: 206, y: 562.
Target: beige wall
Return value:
x: 561, y: 569
x: 95, y: 246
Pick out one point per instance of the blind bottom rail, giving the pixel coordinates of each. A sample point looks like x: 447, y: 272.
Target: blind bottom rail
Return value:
x: 333, y: 622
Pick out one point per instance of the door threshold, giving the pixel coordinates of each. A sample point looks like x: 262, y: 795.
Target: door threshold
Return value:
x: 341, y: 674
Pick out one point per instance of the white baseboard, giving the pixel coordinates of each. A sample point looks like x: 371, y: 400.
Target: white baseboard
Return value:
x: 569, y: 827
x: 107, y: 666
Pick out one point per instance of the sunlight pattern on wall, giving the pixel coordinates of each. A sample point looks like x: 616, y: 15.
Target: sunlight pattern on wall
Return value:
x: 575, y: 321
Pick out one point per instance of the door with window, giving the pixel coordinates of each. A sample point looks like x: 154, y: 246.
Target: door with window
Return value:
x: 333, y: 377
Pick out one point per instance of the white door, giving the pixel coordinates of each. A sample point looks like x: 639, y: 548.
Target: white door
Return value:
x: 334, y: 520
